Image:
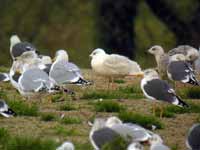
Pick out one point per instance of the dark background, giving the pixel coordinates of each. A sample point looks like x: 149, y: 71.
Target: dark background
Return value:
x: 127, y: 27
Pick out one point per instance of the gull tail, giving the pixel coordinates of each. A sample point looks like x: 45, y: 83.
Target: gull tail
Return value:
x: 82, y: 82
x: 194, y: 81
x: 181, y: 103
x: 4, y: 77
x: 8, y: 113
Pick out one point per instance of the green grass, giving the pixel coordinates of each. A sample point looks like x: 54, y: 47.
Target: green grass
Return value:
x: 144, y: 120
x: 8, y: 142
x: 190, y: 92
x: 61, y: 130
x: 29, y: 143
x: 48, y: 117
x: 71, y: 120
x: 119, y: 81
x: 125, y: 92
x: 84, y: 146
x: 4, y: 135
x: 22, y: 108
x: 117, y: 144
x: 171, y: 110
x: 108, y: 106
x: 67, y: 107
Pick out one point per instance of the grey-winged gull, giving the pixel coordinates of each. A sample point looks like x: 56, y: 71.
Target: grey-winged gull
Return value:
x: 190, y: 53
x: 113, y: 65
x: 157, y: 143
x: 64, y: 72
x: 4, y: 77
x: 156, y: 89
x: 180, y: 70
x: 193, y: 139
x: 5, y: 110
x: 162, y: 59
x: 66, y: 146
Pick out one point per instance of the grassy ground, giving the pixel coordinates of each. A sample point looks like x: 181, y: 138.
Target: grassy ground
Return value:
x: 39, y: 120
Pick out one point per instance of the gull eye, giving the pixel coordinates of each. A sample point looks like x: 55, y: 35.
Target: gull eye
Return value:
x: 28, y: 48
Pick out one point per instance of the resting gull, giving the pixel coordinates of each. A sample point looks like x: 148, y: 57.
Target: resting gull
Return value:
x: 190, y: 53
x: 193, y: 138
x: 180, y: 70
x: 66, y: 146
x: 113, y: 65
x: 156, y: 89
x: 64, y: 72
x: 162, y: 59
x: 5, y: 110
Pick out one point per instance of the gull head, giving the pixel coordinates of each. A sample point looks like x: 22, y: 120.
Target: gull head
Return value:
x: 97, y: 52
x: 135, y: 146
x: 112, y: 121
x: 192, y: 55
x: 66, y: 146
x: 155, y: 139
x: 156, y: 50
x: 178, y: 57
x: 61, y: 55
x: 46, y: 59
x: 150, y: 73
x: 99, y: 123
x: 14, y: 39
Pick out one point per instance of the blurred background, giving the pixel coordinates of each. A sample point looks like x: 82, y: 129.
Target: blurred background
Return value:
x: 127, y: 27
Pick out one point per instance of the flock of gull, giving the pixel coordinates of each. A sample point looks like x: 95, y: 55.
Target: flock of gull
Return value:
x: 34, y: 74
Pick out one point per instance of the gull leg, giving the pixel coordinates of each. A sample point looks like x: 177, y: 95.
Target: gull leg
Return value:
x: 108, y: 86
x: 154, y: 109
x: 161, y: 111
x: 112, y: 83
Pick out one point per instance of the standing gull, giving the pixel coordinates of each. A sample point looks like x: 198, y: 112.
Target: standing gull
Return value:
x: 113, y: 65
x: 64, y: 72
x: 193, y: 139
x: 162, y: 59
x: 5, y: 110
x: 191, y: 54
x: 156, y: 89
x: 180, y: 70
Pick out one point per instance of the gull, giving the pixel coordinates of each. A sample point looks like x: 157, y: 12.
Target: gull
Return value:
x: 193, y: 137
x: 180, y: 70
x: 162, y: 59
x: 156, y: 143
x: 64, y: 72
x: 156, y: 89
x: 5, y: 110
x: 113, y: 65
x: 191, y: 54
x: 66, y: 146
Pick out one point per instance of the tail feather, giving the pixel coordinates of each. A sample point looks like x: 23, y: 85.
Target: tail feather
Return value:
x: 8, y: 113
x: 194, y: 82
x: 181, y: 103
x: 82, y: 82
x: 4, y: 77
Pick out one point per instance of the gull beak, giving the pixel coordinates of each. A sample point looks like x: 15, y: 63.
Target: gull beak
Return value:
x: 90, y: 55
x: 141, y: 74
x: 54, y: 59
